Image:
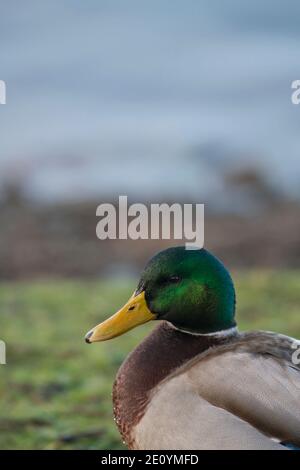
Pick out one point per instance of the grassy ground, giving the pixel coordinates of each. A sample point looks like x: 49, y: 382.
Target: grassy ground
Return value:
x: 55, y: 391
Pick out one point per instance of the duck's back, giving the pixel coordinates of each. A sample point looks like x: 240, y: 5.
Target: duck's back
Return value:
x: 244, y: 394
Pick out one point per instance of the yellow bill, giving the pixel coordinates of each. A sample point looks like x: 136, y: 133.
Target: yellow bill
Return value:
x: 135, y: 312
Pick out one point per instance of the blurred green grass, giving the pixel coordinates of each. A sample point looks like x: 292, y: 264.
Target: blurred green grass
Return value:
x: 55, y: 391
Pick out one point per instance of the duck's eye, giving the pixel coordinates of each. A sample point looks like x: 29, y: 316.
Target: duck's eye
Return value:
x: 174, y: 279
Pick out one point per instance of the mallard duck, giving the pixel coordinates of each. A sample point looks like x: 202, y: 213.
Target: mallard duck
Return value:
x: 195, y: 382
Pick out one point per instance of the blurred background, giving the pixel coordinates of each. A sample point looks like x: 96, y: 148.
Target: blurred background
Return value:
x: 164, y: 102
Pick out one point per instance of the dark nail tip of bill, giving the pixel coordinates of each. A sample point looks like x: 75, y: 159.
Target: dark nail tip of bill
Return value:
x: 87, y: 337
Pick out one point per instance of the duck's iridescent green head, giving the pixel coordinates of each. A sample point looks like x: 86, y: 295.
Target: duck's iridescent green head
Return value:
x: 191, y: 289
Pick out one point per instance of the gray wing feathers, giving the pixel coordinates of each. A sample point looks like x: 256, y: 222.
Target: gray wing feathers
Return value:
x: 257, y: 381
x: 178, y: 418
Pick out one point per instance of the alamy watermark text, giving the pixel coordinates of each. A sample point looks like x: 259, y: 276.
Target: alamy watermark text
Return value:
x: 2, y: 92
x: 296, y: 93
x: 156, y: 221
x: 296, y: 353
x: 2, y: 352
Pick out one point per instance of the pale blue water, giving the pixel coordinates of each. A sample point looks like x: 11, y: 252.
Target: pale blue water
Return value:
x: 115, y: 97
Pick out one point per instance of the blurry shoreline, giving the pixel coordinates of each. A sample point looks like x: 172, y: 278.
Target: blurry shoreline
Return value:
x: 59, y: 240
